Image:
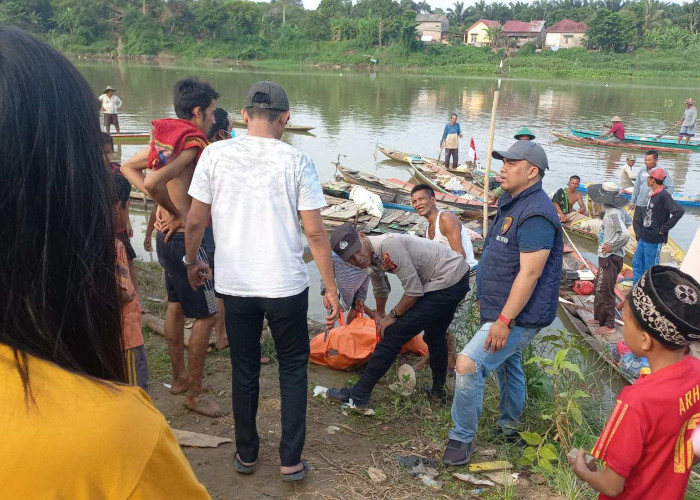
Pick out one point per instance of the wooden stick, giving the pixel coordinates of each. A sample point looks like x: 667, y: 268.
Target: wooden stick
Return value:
x: 576, y: 250
x: 487, y: 174
x: 667, y: 131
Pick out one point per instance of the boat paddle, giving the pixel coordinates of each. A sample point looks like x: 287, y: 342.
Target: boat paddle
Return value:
x: 667, y: 131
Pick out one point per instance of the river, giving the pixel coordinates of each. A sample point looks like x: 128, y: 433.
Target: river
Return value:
x: 353, y: 111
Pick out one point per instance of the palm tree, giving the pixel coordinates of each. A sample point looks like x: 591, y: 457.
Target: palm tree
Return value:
x: 653, y: 15
x: 494, y: 34
x: 457, y: 15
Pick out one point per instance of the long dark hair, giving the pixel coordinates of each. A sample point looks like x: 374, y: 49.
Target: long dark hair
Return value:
x: 58, y: 293
x: 220, y: 123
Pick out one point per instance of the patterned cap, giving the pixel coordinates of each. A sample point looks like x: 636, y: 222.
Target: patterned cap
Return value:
x: 665, y: 303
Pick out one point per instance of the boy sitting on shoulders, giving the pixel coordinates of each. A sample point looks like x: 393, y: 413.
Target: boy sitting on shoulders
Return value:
x: 645, y: 445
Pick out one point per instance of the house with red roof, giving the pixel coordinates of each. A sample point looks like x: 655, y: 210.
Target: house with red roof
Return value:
x: 476, y: 34
x: 565, y: 34
x: 522, y: 32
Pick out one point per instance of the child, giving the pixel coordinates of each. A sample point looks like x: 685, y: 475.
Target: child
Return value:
x: 611, y: 250
x: 132, y: 337
x: 645, y: 445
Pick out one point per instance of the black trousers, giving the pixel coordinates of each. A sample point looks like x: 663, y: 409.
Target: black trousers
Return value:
x: 432, y: 314
x: 287, y: 320
x: 455, y: 157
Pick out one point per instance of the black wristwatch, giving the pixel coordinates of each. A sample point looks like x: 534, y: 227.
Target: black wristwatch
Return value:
x: 393, y: 313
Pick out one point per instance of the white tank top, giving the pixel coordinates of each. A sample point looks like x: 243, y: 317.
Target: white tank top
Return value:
x: 439, y: 237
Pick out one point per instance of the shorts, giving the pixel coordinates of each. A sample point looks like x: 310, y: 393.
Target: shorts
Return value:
x: 111, y: 119
x: 130, y: 252
x: 136, y: 365
x: 200, y: 303
x: 687, y: 131
x: 210, y: 257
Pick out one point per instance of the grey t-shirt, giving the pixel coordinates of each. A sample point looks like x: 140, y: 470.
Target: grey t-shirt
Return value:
x: 689, y: 116
x: 422, y: 265
x: 614, y: 232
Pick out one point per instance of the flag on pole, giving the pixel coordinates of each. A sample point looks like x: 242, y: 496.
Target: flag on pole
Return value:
x: 472, y: 151
x: 501, y: 65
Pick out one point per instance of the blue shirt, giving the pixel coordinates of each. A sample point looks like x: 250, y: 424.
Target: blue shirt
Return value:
x: 451, y: 129
x: 536, y: 233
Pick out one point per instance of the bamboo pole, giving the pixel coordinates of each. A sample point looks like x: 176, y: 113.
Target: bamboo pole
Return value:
x: 488, y: 158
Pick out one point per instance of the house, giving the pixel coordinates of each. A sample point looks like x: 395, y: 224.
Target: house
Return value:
x: 566, y: 34
x: 476, y: 33
x: 432, y: 27
x: 523, y: 32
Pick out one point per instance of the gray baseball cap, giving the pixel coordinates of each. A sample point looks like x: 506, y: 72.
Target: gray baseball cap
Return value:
x: 345, y: 241
x: 277, y: 95
x: 525, y: 150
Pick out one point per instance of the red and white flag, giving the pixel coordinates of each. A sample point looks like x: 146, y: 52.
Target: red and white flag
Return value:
x: 472, y: 151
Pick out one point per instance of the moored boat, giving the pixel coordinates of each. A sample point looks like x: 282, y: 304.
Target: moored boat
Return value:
x: 648, y: 141
x: 441, y: 179
x: 682, y: 199
x: 131, y: 138
x: 403, y: 156
x: 572, y: 139
x: 238, y: 122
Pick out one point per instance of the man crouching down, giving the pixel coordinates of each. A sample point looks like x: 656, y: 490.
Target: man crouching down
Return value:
x: 435, y: 280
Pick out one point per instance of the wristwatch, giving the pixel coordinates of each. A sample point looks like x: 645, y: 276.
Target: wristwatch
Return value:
x: 393, y: 314
x: 510, y: 323
x: 188, y: 264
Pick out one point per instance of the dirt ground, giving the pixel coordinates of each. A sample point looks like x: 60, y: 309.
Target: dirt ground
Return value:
x: 339, y: 459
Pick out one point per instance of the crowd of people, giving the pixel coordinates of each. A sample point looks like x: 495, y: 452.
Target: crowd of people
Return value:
x: 71, y: 349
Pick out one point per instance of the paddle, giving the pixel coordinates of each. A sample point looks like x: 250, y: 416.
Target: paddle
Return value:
x: 439, y: 155
x: 667, y: 131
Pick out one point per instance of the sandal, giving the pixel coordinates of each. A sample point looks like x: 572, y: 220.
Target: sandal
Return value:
x: 242, y: 468
x: 298, y: 475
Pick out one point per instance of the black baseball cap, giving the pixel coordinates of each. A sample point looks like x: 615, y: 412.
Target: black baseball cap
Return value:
x: 345, y: 241
x: 525, y: 150
x: 277, y: 95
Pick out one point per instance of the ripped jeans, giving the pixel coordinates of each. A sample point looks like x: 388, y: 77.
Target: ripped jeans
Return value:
x: 469, y: 387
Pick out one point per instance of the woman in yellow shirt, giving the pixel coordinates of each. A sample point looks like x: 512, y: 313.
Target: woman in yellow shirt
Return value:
x: 69, y: 427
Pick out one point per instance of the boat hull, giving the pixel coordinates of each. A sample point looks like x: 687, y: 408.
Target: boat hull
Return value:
x: 132, y: 138
x: 649, y: 142
x: 572, y: 139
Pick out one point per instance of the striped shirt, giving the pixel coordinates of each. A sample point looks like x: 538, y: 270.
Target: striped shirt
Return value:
x: 352, y: 282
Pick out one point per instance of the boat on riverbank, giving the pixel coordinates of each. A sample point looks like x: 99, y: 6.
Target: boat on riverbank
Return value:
x: 290, y: 127
x: 682, y: 199
x: 341, y: 210
x: 403, y: 156
x: 648, y: 141
x: 441, y: 179
x: 587, y: 141
x: 131, y: 138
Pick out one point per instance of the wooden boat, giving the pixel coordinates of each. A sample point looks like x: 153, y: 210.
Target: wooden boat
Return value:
x: 403, y: 156
x: 648, y: 141
x: 238, y: 122
x: 131, y: 138
x: 438, y: 177
x: 340, y: 210
x: 396, y: 191
x: 681, y: 199
x: 572, y: 139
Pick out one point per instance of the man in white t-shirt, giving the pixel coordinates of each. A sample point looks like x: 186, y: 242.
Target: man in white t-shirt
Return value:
x: 256, y: 189
x: 109, y: 105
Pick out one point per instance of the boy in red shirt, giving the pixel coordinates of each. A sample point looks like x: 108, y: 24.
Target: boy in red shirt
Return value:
x: 645, y: 445
x: 132, y: 336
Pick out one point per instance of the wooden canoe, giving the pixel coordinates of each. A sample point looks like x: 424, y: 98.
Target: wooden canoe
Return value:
x: 437, y: 177
x: 648, y: 141
x: 682, y: 199
x: 572, y: 139
x: 403, y: 156
x: 238, y: 122
x: 340, y: 211
x: 131, y: 138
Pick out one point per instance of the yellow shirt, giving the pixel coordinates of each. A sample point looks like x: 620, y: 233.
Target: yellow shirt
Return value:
x: 85, y: 440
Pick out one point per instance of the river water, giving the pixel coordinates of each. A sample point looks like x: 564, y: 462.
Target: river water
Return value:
x: 353, y: 111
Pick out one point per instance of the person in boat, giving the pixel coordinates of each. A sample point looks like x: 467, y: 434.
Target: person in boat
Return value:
x: 640, y: 194
x: 435, y: 280
x: 616, y: 130
x: 176, y: 146
x: 71, y: 426
x: 613, y: 237
x: 687, y: 123
x: 646, y: 446
x: 110, y: 104
x: 259, y: 192
x: 446, y: 228
x: 565, y: 199
x: 518, y: 289
x: 627, y: 175
x: 450, y: 141
x: 524, y: 134
x: 661, y: 215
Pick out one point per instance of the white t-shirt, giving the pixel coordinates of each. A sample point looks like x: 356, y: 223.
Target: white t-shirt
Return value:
x: 110, y: 105
x: 255, y: 187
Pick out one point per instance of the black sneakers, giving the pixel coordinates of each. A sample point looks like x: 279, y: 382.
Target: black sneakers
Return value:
x: 343, y: 395
x: 457, y: 453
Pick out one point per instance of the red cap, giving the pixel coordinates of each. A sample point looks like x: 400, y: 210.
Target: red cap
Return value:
x: 658, y: 173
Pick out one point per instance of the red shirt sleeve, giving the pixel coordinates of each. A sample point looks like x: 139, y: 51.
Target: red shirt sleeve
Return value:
x: 622, y: 440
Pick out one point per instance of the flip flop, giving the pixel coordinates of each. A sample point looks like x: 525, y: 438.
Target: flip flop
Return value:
x: 242, y: 468
x: 297, y: 476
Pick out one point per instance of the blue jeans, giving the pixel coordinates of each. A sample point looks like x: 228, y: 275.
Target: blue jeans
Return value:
x: 646, y: 255
x: 469, y: 387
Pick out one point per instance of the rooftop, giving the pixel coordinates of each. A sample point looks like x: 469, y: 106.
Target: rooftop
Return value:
x: 487, y: 22
x: 522, y: 27
x: 568, y: 26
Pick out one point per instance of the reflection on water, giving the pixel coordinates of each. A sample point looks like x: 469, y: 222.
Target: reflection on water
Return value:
x: 354, y: 111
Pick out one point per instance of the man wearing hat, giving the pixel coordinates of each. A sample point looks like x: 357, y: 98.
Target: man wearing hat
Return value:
x: 110, y: 104
x: 614, y: 235
x: 616, y: 132
x: 524, y: 134
x: 661, y: 214
x: 435, y: 279
x: 687, y: 123
x: 627, y: 174
x: 518, y: 290
x: 257, y: 189
x: 646, y: 445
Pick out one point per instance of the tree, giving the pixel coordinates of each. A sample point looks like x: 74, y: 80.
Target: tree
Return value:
x: 653, y: 15
x: 210, y: 16
x: 408, y: 31
x: 495, y: 36
x: 605, y: 32
x: 457, y: 15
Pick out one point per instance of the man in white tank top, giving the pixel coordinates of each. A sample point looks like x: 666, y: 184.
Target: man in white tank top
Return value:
x: 445, y: 228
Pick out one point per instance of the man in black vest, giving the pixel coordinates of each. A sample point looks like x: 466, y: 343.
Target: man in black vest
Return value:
x: 518, y: 290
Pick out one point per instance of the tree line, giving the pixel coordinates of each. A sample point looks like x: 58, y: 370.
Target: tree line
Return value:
x: 246, y: 30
